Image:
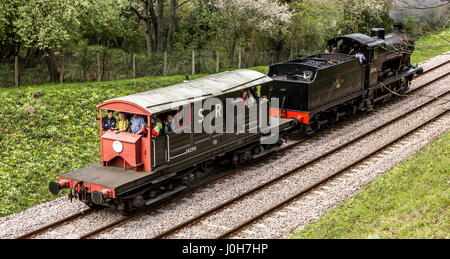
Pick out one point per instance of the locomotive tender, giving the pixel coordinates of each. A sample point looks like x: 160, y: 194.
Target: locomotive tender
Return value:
x: 319, y: 90
x: 313, y: 93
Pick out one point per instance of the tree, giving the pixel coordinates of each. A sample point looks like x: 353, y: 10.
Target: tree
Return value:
x: 46, y: 25
x: 239, y: 18
x: 362, y: 15
x: 313, y: 23
x: 154, y: 22
x: 9, y: 40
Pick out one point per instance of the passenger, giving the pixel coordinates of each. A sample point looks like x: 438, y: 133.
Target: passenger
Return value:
x: 353, y: 50
x: 155, y: 126
x: 250, y: 99
x: 244, y: 98
x: 167, y: 124
x: 137, y: 124
x: 254, y: 92
x: 109, y: 122
x: 145, y: 130
x: 264, y: 99
x: 123, y: 124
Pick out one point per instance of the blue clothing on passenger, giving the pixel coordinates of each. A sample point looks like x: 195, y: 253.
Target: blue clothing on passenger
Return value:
x: 108, y: 124
x: 136, y: 124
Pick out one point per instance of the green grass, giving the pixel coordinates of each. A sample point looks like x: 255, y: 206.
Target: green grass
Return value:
x: 431, y: 45
x: 411, y: 201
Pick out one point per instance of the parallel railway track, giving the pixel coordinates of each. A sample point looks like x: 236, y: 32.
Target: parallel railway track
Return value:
x: 147, y: 210
x: 243, y: 225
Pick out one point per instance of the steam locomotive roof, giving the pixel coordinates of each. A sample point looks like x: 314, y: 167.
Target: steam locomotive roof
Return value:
x: 163, y: 99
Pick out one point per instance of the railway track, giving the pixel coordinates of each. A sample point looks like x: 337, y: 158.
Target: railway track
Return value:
x: 169, y: 200
x: 283, y: 176
x: 56, y: 224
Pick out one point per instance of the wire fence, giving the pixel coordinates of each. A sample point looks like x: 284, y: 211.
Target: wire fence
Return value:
x: 112, y: 64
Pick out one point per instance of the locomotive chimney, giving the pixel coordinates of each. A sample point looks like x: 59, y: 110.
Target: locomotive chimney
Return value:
x: 377, y: 33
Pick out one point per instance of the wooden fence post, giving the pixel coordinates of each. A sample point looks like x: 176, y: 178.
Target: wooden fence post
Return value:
x: 99, y: 74
x: 61, y: 74
x: 240, y: 59
x: 16, y: 70
x: 165, y: 64
x: 217, y: 61
x: 193, y: 62
x: 133, y: 64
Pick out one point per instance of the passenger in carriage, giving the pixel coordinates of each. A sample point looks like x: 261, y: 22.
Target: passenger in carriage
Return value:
x: 254, y: 92
x: 109, y: 122
x: 244, y: 99
x: 250, y: 99
x: 156, y: 126
x: 123, y: 124
x: 145, y: 130
x: 167, y: 124
x: 137, y: 124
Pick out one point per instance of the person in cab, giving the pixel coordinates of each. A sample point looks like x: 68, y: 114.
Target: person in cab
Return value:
x: 137, y: 124
x: 109, y: 122
x: 156, y: 127
x: 123, y: 124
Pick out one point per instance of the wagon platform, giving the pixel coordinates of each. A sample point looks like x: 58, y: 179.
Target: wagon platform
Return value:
x: 110, y: 176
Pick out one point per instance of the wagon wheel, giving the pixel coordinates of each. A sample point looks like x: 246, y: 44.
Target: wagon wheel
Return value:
x: 124, y: 208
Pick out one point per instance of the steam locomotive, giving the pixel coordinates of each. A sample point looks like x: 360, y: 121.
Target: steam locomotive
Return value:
x: 319, y: 90
x: 313, y: 92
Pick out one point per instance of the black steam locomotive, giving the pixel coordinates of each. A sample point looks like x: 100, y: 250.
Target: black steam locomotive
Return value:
x: 357, y: 72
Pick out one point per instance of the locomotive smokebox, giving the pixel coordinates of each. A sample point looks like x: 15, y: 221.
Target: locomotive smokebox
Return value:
x: 377, y: 33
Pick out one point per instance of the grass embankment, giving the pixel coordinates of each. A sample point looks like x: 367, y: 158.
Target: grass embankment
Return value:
x: 411, y: 201
x: 47, y: 130
x: 431, y: 45
x: 50, y: 129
